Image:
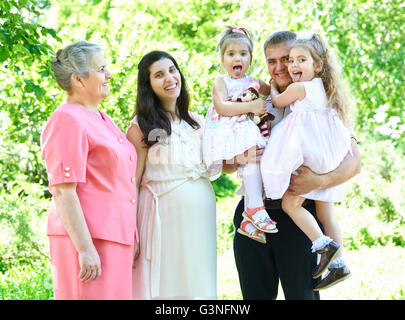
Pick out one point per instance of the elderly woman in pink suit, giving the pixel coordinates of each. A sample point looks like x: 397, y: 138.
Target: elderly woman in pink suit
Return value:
x: 91, y: 170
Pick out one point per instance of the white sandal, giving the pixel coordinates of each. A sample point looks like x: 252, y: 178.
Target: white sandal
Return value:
x: 264, y: 224
x: 255, y: 234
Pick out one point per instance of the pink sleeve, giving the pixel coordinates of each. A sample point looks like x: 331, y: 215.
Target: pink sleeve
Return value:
x: 64, y: 147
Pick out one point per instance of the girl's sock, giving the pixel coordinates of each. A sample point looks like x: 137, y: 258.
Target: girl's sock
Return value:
x: 252, y: 181
x: 249, y: 228
x: 338, y: 262
x: 320, y: 243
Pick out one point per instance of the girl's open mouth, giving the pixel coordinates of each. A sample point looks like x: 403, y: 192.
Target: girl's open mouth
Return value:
x: 237, y: 70
x: 296, y: 76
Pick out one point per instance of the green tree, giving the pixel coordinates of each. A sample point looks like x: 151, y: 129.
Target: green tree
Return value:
x: 25, y: 47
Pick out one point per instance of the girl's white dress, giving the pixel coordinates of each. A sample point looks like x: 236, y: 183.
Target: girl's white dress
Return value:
x: 225, y: 137
x: 176, y: 220
x: 312, y: 135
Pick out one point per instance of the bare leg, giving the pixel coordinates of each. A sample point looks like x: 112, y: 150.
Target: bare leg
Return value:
x: 324, y: 212
x: 292, y: 205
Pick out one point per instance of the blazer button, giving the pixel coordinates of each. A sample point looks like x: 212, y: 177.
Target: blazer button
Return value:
x: 120, y: 140
x: 132, y: 158
x: 67, y: 174
x: 67, y: 169
x: 133, y: 201
x: 133, y: 179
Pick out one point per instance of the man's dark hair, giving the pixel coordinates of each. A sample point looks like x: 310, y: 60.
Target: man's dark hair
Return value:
x: 279, y: 37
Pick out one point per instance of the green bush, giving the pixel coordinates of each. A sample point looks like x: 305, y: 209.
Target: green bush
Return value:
x: 224, y: 186
x: 22, y: 224
x: 375, y: 197
x: 27, y: 282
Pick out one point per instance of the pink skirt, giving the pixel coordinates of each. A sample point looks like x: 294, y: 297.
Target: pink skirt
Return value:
x: 115, y: 282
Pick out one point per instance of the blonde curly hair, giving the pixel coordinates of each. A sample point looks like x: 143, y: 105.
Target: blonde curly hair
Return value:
x: 338, y: 96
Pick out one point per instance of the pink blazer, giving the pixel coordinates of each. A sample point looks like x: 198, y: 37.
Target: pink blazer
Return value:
x: 80, y: 146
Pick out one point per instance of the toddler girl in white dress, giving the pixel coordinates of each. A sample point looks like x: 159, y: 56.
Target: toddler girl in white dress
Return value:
x: 313, y: 134
x: 225, y: 136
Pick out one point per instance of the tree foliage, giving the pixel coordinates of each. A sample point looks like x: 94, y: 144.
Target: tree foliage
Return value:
x: 22, y: 37
x: 365, y: 35
x: 25, y: 48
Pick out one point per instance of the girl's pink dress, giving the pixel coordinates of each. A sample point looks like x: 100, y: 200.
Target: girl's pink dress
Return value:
x: 225, y: 137
x: 312, y: 135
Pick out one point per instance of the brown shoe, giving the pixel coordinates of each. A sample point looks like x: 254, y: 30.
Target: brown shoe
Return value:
x: 327, y: 255
x: 334, y: 276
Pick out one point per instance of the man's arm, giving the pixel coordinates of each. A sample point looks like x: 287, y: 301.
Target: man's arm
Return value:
x: 264, y: 88
x: 308, y: 180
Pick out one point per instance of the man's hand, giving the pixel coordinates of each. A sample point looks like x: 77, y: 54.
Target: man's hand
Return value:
x: 305, y: 182
x: 249, y: 156
x: 230, y: 166
x: 308, y: 180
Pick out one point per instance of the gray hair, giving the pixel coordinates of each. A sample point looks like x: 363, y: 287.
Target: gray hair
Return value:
x: 75, y: 58
x: 279, y: 37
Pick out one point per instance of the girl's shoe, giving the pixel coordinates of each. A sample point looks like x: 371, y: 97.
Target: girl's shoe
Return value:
x: 254, y: 234
x: 263, y: 223
x: 328, y: 253
x: 334, y: 276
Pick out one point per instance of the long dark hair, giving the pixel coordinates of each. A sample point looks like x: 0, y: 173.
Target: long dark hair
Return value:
x: 149, y: 110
